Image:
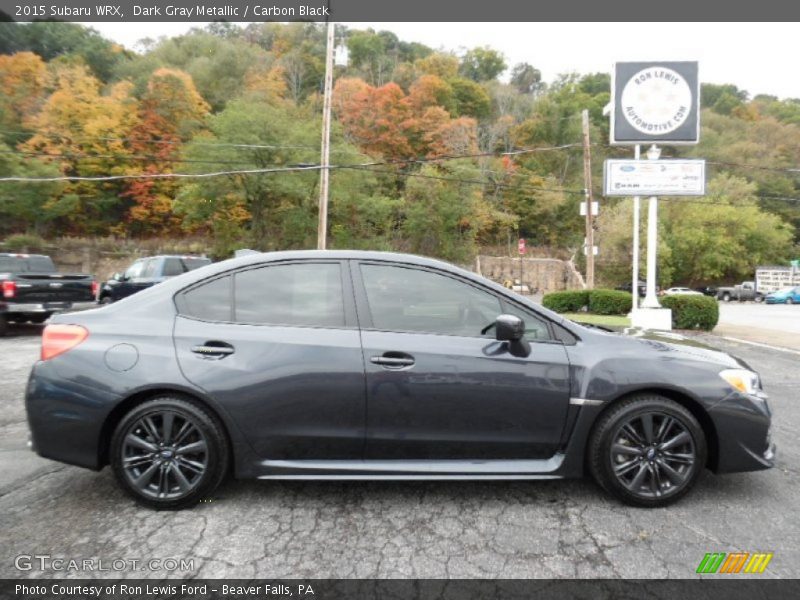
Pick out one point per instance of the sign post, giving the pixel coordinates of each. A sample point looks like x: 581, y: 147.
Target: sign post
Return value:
x: 521, y: 249
x: 652, y: 103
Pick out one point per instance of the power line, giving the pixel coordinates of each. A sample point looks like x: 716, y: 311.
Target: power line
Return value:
x: 165, y: 175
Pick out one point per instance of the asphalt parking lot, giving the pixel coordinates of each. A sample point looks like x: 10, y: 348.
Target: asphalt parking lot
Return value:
x: 773, y: 324
x: 397, y: 530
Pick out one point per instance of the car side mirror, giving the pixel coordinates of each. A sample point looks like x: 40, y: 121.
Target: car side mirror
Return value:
x: 511, y: 329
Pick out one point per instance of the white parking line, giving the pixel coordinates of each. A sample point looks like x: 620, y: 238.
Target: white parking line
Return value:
x: 760, y: 345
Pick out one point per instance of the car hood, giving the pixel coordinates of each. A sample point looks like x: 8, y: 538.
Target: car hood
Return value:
x: 683, y: 346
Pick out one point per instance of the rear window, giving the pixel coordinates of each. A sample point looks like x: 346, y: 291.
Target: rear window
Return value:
x: 26, y: 264
x: 195, y: 263
x: 299, y: 295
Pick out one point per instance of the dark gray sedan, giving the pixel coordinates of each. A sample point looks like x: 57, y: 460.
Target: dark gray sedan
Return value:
x: 366, y: 365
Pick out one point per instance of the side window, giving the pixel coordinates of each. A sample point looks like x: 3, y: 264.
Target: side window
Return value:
x: 408, y: 299
x: 172, y: 267
x: 135, y: 270
x: 299, y: 294
x: 536, y: 329
x: 150, y: 268
x: 210, y: 301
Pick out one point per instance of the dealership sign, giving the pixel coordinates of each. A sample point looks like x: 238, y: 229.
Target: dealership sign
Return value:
x: 655, y: 102
x: 654, y: 177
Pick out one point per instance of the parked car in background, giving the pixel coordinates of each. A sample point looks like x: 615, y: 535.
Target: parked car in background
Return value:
x: 744, y: 291
x: 708, y: 290
x: 680, y: 291
x: 147, y: 272
x: 789, y: 295
x: 642, y: 285
x: 369, y: 365
x: 33, y: 289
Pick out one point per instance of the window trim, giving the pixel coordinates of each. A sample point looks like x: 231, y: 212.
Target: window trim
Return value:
x: 365, y: 314
x: 348, y: 305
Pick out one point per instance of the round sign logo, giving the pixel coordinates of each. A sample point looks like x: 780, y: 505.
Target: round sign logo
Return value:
x: 656, y: 100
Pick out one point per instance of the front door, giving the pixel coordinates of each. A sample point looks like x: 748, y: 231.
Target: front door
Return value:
x: 437, y: 388
x: 278, y: 347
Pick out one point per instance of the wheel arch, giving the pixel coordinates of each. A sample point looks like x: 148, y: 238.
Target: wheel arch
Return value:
x: 689, y: 403
x: 135, y: 399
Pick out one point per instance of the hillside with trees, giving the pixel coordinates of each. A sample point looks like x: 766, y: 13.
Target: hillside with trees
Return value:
x: 434, y: 153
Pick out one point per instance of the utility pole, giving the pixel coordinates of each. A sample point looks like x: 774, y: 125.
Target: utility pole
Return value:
x: 324, y: 173
x: 587, y: 185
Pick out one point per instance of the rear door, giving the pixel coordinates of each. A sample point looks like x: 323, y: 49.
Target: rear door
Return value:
x: 437, y: 387
x: 278, y: 346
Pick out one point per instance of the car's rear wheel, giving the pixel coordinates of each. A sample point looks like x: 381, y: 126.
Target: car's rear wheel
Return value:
x: 647, y: 451
x: 726, y: 297
x: 169, y: 453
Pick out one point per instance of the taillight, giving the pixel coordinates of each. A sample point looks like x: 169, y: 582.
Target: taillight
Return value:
x: 9, y: 289
x: 57, y: 339
x: 95, y: 288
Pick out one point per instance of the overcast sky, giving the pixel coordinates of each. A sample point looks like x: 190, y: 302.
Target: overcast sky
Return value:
x: 758, y: 57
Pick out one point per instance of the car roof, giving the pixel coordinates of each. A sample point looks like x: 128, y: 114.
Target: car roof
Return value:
x: 175, y: 284
x: 173, y: 256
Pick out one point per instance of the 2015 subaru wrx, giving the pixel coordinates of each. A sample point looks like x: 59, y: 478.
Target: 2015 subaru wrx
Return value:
x: 367, y: 365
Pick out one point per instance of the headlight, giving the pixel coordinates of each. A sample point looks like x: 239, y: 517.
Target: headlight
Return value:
x: 743, y: 380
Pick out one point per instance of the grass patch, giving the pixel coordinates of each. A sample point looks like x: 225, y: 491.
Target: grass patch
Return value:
x: 605, y: 320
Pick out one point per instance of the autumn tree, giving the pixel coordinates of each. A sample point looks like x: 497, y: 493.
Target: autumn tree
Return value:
x: 170, y: 113
x: 85, y: 133
x: 23, y: 79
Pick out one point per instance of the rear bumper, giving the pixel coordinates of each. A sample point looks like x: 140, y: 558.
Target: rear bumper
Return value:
x: 66, y: 418
x: 37, y: 308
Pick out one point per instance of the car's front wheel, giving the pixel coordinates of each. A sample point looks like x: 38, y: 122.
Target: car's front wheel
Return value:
x: 169, y: 452
x: 789, y: 300
x: 647, y: 451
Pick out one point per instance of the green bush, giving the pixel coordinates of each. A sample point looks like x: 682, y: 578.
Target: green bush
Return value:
x: 692, y: 312
x: 24, y: 242
x: 569, y: 301
x: 610, y: 302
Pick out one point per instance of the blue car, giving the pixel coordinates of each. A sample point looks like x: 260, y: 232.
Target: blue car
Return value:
x: 789, y: 295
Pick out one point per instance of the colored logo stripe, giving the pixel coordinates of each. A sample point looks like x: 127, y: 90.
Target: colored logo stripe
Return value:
x: 735, y: 562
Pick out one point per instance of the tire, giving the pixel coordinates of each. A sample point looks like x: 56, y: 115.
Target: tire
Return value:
x: 643, y: 474
x: 105, y: 300
x: 176, y: 479
x: 789, y: 300
x: 759, y: 298
x: 3, y: 325
x: 39, y: 318
x: 726, y: 297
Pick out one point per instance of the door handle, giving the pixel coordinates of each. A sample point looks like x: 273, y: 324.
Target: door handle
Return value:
x: 213, y: 350
x: 393, y: 360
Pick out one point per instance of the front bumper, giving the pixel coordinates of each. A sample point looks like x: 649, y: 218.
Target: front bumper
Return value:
x: 743, y: 426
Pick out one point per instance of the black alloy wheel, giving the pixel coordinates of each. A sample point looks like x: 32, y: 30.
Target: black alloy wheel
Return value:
x: 169, y: 453
x: 647, y: 451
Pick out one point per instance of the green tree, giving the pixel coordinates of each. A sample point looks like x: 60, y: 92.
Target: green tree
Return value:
x: 527, y: 79
x: 482, y: 64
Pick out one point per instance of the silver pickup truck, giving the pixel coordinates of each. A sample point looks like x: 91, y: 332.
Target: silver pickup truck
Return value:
x: 744, y: 291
